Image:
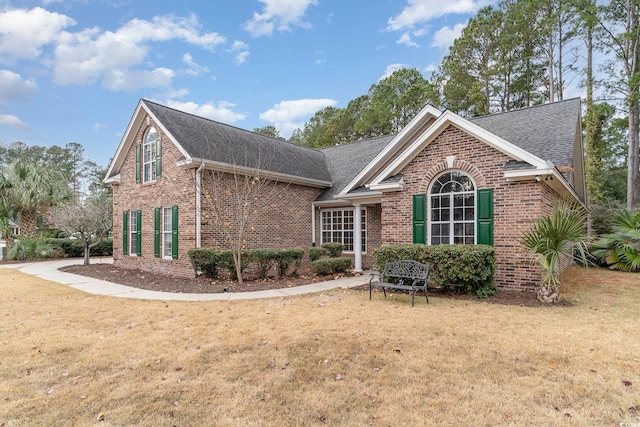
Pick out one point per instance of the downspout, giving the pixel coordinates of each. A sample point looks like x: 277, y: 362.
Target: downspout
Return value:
x: 199, y: 205
x: 313, y: 224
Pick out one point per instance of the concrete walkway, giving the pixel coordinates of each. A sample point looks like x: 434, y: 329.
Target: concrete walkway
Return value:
x: 48, y: 270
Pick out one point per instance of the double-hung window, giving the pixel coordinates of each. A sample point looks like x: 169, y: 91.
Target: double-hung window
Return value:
x: 132, y: 232
x: 337, y: 225
x: 167, y: 232
x: 165, y: 241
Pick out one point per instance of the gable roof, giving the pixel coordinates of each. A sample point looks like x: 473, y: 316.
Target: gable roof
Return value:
x: 345, y: 161
x: 547, y: 131
x: 537, y: 139
x: 222, y: 146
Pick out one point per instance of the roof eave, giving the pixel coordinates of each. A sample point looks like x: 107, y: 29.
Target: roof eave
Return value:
x: 243, y: 170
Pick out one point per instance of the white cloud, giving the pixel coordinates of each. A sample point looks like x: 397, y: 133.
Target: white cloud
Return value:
x: 13, y: 86
x: 222, y: 111
x: 406, y: 40
x: 11, y: 121
x: 445, y: 36
x: 241, y: 51
x: 111, y: 57
x: 421, y: 11
x: 391, y: 68
x: 278, y: 15
x: 24, y: 32
x: 290, y: 115
x: 194, y: 69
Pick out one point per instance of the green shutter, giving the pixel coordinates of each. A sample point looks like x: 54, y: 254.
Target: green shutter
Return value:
x: 138, y: 148
x: 156, y: 232
x: 419, y: 218
x: 174, y: 233
x: 139, y: 232
x: 125, y: 233
x: 485, y: 216
x: 158, y: 157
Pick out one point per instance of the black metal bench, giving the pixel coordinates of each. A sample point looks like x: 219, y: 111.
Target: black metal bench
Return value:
x: 409, y: 276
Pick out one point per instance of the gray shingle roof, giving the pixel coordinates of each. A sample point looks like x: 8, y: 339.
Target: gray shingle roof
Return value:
x: 210, y: 140
x: 547, y: 131
x: 346, y: 161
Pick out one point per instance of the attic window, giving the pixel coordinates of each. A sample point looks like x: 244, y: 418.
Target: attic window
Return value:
x: 149, y: 149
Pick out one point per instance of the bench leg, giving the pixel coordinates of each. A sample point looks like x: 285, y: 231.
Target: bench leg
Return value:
x: 425, y: 295
x: 370, y: 291
x: 385, y: 291
x: 413, y: 296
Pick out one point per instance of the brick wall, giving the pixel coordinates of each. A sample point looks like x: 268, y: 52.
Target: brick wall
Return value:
x: 175, y: 187
x: 280, y: 215
x: 516, y: 204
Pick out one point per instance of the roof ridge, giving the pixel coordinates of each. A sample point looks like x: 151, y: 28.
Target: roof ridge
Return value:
x: 228, y: 125
x: 526, y: 108
x: 392, y: 135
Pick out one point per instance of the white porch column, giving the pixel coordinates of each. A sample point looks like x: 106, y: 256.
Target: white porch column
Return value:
x: 357, y: 238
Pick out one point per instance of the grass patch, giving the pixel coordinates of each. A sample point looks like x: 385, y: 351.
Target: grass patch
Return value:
x: 333, y: 358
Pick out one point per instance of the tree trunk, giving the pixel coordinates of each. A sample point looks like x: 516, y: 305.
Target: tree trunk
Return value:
x: 633, y: 162
x: 87, y: 250
x: 28, y: 223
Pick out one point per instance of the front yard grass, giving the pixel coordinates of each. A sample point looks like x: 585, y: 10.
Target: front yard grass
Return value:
x: 334, y: 358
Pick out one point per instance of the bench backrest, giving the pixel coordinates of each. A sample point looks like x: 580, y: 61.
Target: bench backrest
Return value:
x: 406, y: 268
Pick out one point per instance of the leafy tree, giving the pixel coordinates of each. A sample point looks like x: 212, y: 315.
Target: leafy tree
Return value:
x: 270, y: 131
x: 89, y: 221
x: 29, y: 189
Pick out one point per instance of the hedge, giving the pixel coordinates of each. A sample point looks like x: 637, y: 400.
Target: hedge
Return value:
x: 208, y: 261
x: 326, y: 266
x: 73, y: 248
x: 335, y: 249
x: 463, y: 268
x: 317, y: 253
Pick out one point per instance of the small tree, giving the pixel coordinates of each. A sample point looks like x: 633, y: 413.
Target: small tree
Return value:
x: 554, y: 239
x: 90, y: 221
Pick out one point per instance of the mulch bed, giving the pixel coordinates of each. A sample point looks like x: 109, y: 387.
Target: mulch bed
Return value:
x: 167, y: 283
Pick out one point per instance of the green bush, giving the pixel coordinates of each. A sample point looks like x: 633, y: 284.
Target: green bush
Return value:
x: 73, y: 248
x: 620, y: 250
x: 33, y: 248
x: 263, y: 259
x: 463, y: 268
x: 204, y: 261
x: 335, y: 249
x: 104, y: 248
x: 326, y: 266
x: 317, y: 253
x: 286, y: 257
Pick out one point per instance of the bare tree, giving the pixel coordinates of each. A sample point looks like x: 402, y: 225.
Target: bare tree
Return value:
x: 233, y: 196
x: 89, y: 222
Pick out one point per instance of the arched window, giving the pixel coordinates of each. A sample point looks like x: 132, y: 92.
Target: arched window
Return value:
x: 452, y: 209
x: 149, y: 151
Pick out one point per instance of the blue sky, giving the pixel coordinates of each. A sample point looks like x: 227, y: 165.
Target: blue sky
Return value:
x: 74, y: 70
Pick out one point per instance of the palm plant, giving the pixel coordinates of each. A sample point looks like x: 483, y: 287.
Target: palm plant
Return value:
x: 555, y: 239
x: 621, y: 249
x: 29, y: 189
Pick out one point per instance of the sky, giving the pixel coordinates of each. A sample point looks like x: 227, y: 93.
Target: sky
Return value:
x: 74, y: 70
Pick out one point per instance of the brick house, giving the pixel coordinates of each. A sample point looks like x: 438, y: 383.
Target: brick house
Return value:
x: 442, y: 179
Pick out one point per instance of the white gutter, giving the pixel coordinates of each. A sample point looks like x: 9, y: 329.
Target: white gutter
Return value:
x: 199, y: 205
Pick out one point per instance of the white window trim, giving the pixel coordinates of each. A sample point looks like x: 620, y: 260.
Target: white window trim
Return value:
x: 363, y: 225
x: 475, y: 205
x: 152, y: 162
x: 164, y: 233
x: 133, y: 236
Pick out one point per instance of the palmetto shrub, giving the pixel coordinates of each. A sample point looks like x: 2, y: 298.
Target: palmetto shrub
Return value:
x: 620, y: 250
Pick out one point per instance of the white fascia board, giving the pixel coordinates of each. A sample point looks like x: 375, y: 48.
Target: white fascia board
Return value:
x: 332, y: 203
x: 166, y: 132
x: 559, y: 183
x: 387, y: 187
x: 243, y: 170
x: 407, y: 132
x: 368, y: 198
x: 118, y: 158
x: 448, y: 118
x: 113, y: 180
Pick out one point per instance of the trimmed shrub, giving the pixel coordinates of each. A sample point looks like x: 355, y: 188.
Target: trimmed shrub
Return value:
x: 335, y: 249
x: 326, y: 266
x: 104, y: 248
x: 317, y: 253
x: 263, y: 259
x: 204, y: 261
x: 286, y: 257
x: 462, y: 268
x: 34, y: 248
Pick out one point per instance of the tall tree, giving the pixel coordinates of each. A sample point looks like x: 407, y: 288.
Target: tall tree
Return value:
x: 30, y: 189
